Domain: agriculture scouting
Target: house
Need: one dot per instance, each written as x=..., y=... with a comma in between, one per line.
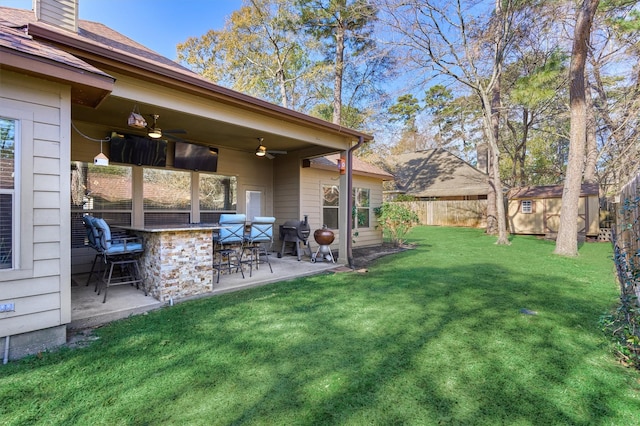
x=535, y=210
x=435, y=174
x=444, y=190
x=68, y=90
x=322, y=173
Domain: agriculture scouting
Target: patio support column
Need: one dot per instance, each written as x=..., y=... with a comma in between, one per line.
x=343, y=211
x=137, y=175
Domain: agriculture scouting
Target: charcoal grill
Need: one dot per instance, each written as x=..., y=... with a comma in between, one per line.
x=296, y=232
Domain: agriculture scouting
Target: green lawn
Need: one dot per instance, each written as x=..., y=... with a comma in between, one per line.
x=434, y=335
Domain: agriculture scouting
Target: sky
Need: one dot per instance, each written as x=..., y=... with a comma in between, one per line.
x=157, y=24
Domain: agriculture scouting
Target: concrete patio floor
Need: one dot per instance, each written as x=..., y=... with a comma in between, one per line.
x=87, y=309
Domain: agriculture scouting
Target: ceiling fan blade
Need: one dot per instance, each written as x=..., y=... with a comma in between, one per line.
x=170, y=136
x=269, y=156
x=270, y=151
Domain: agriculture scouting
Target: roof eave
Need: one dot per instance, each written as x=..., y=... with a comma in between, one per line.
x=193, y=81
x=86, y=88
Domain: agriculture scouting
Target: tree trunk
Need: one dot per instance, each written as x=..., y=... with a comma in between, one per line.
x=337, y=84
x=493, y=226
x=567, y=241
x=590, y=170
x=494, y=155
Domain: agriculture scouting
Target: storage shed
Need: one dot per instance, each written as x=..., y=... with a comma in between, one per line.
x=535, y=210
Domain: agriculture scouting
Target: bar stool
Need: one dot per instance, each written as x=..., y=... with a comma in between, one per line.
x=119, y=253
x=225, y=244
x=259, y=240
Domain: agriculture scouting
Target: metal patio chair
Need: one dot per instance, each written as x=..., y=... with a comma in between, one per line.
x=119, y=253
x=259, y=240
x=228, y=244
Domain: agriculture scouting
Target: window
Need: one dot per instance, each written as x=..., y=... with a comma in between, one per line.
x=217, y=194
x=361, y=207
x=8, y=201
x=103, y=191
x=330, y=205
x=166, y=196
x=526, y=206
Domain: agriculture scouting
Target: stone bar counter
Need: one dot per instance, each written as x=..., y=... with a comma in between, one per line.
x=177, y=260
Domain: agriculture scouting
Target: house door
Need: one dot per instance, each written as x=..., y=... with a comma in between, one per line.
x=254, y=203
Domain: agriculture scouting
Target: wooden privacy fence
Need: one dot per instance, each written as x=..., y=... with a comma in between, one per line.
x=468, y=213
x=627, y=239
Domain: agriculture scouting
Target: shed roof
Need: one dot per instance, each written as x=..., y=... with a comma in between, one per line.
x=436, y=173
x=550, y=191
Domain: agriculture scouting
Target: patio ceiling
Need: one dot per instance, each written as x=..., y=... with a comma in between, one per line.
x=113, y=112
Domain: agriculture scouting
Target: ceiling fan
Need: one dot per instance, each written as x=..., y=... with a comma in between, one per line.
x=262, y=151
x=155, y=132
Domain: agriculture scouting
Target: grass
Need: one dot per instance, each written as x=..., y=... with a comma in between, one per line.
x=434, y=335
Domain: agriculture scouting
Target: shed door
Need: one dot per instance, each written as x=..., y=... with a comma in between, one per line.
x=552, y=215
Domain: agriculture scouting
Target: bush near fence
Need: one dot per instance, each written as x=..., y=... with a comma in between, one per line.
x=463, y=213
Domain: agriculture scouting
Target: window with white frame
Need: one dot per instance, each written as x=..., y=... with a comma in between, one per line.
x=330, y=205
x=361, y=207
x=8, y=202
x=526, y=206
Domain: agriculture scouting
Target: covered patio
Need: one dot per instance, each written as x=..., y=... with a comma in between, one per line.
x=87, y=309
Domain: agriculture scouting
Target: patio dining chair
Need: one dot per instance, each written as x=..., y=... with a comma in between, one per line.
x=259, y=240
x=119, y=253
x=228, y=244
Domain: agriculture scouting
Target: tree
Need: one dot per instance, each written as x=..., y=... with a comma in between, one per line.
x=405, y=110
x=444, y=38
x=341, y=25
x=533, y=102
x=613, y=95
x=567, y=240
x=258, y=52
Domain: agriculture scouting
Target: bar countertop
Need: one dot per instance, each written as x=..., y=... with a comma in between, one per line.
x=170, y=228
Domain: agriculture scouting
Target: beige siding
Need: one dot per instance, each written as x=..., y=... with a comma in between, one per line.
x=40, y=285
x=312, y=181
x=287, y=190
x=370, y=236
x=593, y=218
x=526, y=223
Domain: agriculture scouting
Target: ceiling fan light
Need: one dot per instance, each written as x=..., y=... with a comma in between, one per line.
x=155, y=133
x=261, y=151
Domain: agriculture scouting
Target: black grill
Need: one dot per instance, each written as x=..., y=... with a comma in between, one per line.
x=294, y=231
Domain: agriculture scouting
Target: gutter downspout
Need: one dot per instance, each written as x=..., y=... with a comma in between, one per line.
x=350, y=201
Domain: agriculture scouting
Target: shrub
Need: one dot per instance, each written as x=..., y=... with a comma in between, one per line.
x=396, y=221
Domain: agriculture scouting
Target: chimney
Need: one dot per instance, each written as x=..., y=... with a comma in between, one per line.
x=59, y=13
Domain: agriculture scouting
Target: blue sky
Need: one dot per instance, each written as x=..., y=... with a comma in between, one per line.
x=158, y=24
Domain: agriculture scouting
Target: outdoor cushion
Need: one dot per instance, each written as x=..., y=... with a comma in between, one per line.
x=105, y=234
x=92, y=231
x=124, y=247
x=261, y=229
x=232, y=230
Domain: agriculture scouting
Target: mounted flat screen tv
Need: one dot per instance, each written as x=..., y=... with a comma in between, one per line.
x=200, y=158
x=138, y=150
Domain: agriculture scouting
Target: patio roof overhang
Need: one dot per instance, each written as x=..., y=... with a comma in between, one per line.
x=185, y=100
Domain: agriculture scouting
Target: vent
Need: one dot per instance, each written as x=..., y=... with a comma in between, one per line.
x=60, y=13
